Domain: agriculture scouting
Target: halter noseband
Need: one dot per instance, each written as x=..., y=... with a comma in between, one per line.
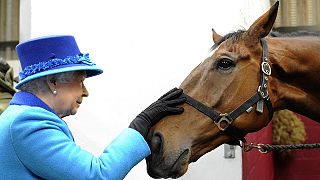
x=224, y=120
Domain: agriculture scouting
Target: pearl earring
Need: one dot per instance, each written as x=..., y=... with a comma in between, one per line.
x=54, y=92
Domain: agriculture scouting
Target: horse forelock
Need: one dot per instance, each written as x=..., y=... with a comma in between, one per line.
x=234, y=36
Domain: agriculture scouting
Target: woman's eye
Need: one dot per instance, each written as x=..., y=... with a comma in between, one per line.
x=225, y=64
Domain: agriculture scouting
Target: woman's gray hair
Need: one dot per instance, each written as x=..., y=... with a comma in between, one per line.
x=39, y=85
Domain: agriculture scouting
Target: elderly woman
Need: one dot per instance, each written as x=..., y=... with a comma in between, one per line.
x=35, y=143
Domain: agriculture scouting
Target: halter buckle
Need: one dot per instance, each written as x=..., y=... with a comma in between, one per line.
x=263, y=91
x=224, y=121
x=266, y=69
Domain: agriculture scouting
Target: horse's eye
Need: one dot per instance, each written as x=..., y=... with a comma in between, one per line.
x=225, y=64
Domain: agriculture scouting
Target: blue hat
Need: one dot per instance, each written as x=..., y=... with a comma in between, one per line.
x=51, y=55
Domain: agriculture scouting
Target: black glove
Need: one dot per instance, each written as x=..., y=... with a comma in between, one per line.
x=165, y=105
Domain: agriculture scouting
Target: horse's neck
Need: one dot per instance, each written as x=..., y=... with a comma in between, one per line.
x=295, y=83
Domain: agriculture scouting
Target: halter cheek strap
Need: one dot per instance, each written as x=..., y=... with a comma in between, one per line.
x=224, y=120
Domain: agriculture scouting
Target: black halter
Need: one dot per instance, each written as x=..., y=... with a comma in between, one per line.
x=224, y=120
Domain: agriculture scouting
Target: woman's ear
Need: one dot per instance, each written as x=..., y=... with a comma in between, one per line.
x=52, y=83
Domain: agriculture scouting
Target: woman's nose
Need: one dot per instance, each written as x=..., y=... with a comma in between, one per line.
x=85, y=92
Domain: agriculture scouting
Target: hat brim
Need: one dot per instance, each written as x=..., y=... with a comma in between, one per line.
x=90, y=70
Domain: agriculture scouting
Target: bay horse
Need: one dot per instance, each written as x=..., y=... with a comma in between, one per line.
x=233, y=92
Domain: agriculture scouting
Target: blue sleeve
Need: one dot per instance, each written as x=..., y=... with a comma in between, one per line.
x=46, y=149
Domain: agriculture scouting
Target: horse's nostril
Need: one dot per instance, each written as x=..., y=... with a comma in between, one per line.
x=156, y=143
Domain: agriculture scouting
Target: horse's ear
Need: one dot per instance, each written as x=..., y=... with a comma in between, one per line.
x=263, y=25
x=215, y=36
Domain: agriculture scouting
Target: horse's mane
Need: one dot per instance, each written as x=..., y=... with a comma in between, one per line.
x=237, y=34
x=294, y=33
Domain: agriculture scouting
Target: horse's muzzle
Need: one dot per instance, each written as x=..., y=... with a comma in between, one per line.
x=159, y=166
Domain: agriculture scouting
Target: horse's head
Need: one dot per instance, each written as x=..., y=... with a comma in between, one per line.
x=222, y=83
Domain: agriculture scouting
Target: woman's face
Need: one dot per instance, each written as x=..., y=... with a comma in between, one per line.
x=70, y=95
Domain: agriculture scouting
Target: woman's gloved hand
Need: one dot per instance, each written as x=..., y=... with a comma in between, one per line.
x=165, y=105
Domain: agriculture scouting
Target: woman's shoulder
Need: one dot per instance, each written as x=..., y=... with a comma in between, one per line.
x=25, y=111
x=22, y=116
x=27, y=120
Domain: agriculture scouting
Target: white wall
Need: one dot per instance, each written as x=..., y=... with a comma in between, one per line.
x=145, y=48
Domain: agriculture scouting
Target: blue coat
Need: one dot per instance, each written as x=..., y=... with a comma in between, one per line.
x=35, y=143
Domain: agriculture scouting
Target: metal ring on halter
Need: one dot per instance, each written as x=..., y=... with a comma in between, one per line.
x=266, y=69
x=224, y=118
x=263, y=92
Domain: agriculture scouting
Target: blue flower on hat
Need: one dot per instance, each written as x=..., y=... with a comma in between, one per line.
x=42, y=66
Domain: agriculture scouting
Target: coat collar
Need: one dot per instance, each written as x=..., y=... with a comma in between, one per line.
x=29, y=99
x=26, y=98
